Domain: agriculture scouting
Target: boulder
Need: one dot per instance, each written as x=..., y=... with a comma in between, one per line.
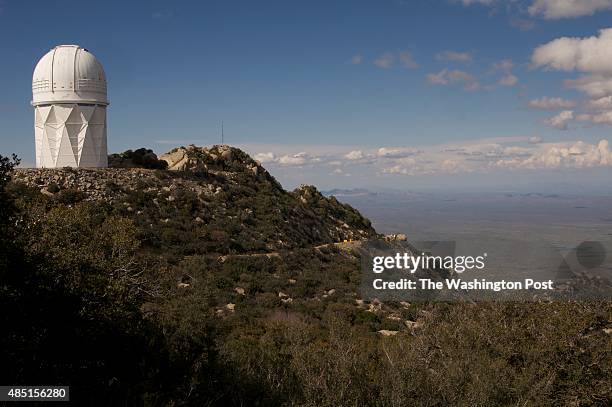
x=227, y=155
x=413, y=324
x=177, y=159
x=386, y=332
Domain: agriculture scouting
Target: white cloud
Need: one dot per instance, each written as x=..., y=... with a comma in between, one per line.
x=446, y=77
x=439, y=78
x=354, y=155
x=451, y=166
x=265, y=157
x=551, y=103
x=599, y=118
x=298, y=159
x=547, y=9
x=570, y=155
x=505, y=66
x=595, y=86
x=592, y=54
x=535, y=140
x=555, y=9
x=385, y=61
x=604, y=103
x=508, y=80
x=357, y=59
x=561, y=120
x=602, y=109
x=454, y=56
x=407, y=60
x=482, y=155
x=388, y=59
x=397, y=152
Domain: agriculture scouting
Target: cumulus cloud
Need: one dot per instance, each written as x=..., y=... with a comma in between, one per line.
x=292, y=160
x=397, y=152
x=354, y=155
x=570, y=155
x=535, y=140
x=505, y=66
x=600, y=111
x=596, y=86
x=561, y=120
x=385, y=61
x=592, y=54
x=454, y=56
x=598, y=118
x=388, y=59
x=484, y=157
x=357, y=59
x=264, y=158
x=298, y=159
x=440, y=78
x=450, y=77
x=407, y=60
x=555, y=9
x=547, y=9
x=508, y=80
x=473, y=156
x=551, y=103
x=604, y=103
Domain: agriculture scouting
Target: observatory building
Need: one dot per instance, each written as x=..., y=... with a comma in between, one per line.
x=69, y=99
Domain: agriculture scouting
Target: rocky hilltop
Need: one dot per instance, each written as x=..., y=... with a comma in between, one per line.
x=217, y=194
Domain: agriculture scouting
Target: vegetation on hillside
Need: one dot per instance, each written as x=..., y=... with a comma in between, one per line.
x=140, y=158
x=135, y=301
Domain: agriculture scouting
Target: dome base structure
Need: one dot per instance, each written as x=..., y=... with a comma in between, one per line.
x=70, y=135
x=69, y=96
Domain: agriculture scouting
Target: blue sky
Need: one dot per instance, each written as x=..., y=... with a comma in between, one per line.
x=316, y=89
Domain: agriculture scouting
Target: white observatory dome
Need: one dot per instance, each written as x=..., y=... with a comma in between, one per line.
x=69, y=74
x=70, y=100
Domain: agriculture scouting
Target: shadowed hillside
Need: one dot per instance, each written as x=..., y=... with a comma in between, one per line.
x=209, y=284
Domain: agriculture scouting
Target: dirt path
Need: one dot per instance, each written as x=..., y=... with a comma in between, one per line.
x=348, y=245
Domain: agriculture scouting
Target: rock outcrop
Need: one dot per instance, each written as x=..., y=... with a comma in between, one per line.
x=219, y=193
x=141, y=158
